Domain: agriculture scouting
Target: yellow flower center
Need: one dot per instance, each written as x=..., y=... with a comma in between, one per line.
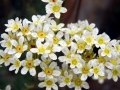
x=89, y=40
x=15, y=27
x=7, y=57
x=107, y=51
x=17, y=63
x=81, y=46
x=67, y=80
x=42, y=50
x=41, y=35
x=49, y=82
x=55, y=40
x=101, y=41
x=78, y=82
x=56, y=8
x=72, y=32
x=8, y=44
x=114, y=62
x=25, y=31
x=117, y=48
x=96, y=70
x=102, y=60
x=19, y=48
x=74, y=61
x=85, y=69
x=48, y=71
x=29, y=64
x=115, y=72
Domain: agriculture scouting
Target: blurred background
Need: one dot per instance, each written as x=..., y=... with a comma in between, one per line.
x=104, y=13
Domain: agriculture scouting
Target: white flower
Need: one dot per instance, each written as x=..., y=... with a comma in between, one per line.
x=67, y=53
x=66, y=79
x=55, y=27
x=5, y=58
x=38, y=19
x=42, y=32
x=29, y=64
x=19, y=47
x=114, y=73
x=13, y=25
x=106, y=51
x=78, y=83
x=89, y=27
x=41, y=48
x=55, y=8
x=49, y=71
x=75, y=61
x=67, y=41
x=98, y=71
x=49, y=84
x=101, y=40
x=25, y=29
x=16, y=64
x=84, y=71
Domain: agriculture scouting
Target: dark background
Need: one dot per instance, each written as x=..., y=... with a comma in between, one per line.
x=104, y=13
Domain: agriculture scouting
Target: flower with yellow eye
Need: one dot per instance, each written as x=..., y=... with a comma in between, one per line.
x=101, y=40
x=42, y=32
x=19, y=47
x=54, y=27
x=5, y=58
x=66, y=79
x=16, y=64
x=49, y=84
x=41, y=48
x=49, y=71
x=106, y=51
x=98, y=70
x=29, y=64
x=75, y=61
x=55, y=8
x=25, y=29
x=84, y=71
x=13, y=25
x=78, y=83
x=114, y=73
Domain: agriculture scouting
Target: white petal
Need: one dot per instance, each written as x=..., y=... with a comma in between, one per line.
x=56, y=73
x=32, y=71
x=53, y=56
x=85, y=85
x=83, y=77
x=53, y=65
x=12, y=67
x=55, y=87
x=25, y=47
x=57, y=15
x=62, y=43
x=65, y=50
x=43, y=66
x=36, y=62
x=42, y=84
x=29, y=55
x=59, y=34
x=41, y=74
x=34, y=50
x=62, y=58
x=115, y=78
x=57, y=48
x=18, y=55
x=62, y=84
x=23, y=62
x=8, y=87
x=21, y=40
x=14, y=42
x=24, y=70
x=11, y=51
x=63, y=10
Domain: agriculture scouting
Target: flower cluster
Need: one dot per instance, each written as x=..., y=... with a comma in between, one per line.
x=64, y=55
